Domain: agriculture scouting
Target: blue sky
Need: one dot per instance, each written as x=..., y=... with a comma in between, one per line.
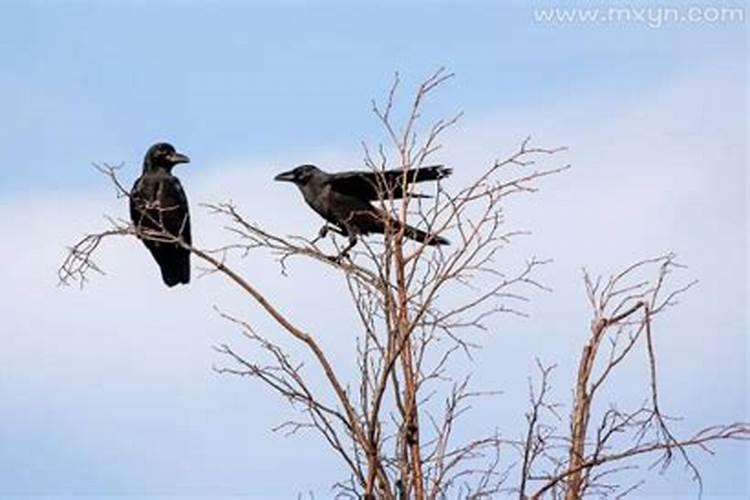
x=94, y=80
x=104, y=394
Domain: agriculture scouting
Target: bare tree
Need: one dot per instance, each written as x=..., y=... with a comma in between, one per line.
x=586, y=458
x=392, y=422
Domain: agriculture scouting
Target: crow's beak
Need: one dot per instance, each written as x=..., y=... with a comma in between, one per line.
x=286, y=176
x=176, y=158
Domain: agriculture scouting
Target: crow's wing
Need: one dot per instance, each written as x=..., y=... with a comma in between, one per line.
x=134, y=199
x=175, y=210
x=143, y=196
x=160, y=204
x=386, y=184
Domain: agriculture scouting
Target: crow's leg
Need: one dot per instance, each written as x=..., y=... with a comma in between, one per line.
x=321, y=234
x=345, y=252
x=324, y=232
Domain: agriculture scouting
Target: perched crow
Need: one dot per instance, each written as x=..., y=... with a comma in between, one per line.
x=343, y=199
x=158, y=204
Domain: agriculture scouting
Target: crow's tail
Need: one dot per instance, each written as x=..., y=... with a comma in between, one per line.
x=174, y=263
x=427, y=238
x=427, y=173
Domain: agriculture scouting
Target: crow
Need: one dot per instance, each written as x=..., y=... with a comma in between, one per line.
x=158, y=204
x=343, y=199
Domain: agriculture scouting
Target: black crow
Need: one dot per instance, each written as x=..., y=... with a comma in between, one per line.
x=158, y=204
x=343, y=199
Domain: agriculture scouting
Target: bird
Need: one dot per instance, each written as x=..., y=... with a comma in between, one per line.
x=160, y=213
x=344, y=199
